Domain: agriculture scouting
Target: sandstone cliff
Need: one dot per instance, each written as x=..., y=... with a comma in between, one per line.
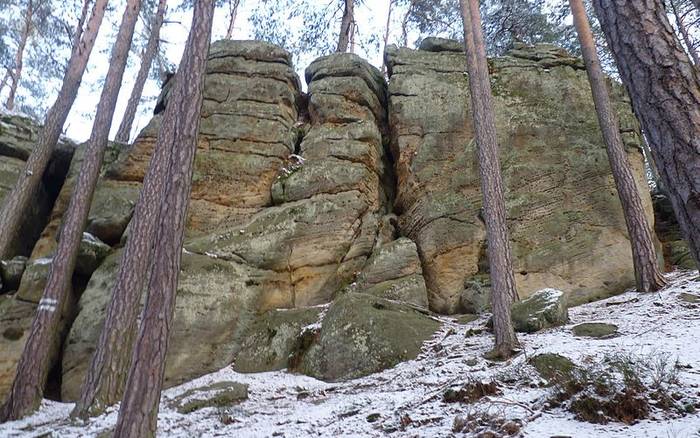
x=323, y=226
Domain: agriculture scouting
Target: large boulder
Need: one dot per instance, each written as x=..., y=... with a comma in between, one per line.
x=543, y=309
x=363, y=334
x=565, y=221
x=394, y=272
x=216, y=301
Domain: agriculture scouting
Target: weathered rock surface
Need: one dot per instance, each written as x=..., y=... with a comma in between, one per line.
x=598, y=330
x=543, y=309
x=18, y=135
x=215, y=395
x=362, y=334
x=215, y=303
x=675, y=248
x=273, y=338
x=394, y=272
x=566, y=225
x=321, y=226
x=11, y=273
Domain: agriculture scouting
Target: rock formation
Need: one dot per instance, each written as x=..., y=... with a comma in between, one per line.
x=323, y=226
x=566, y=225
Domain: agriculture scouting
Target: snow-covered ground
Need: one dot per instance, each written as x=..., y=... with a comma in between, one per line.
x=407, y=399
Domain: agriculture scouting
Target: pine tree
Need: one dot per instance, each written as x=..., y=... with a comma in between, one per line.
x=147, y=57
x=34, y=364
x=347, y=24
x=232, y=13
x=139, y=409
x=17, y=202
x=646, y=268
x=664, y=87
x=503, y=291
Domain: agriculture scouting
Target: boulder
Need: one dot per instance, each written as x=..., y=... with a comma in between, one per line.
x=34, y=280
x=543, y=309
x=362, y=334
x=273, y=338
x=553, y=367
x=214, y=395
x=394, y=272
x=560, y=196
x=435, y=44
x=216, y=302
x=597, y=330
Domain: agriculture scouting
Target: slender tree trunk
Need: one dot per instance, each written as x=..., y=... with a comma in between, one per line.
x=17, y=202
x=33, y=367
x=104, y=382
x=5, y=79
x=387, y=29
x=649, y=277
x=138, y=413
x=503, y=291
x=233, y=11
x=19, y=57
x=124, y=132
x=684, y=34
x=665, y=90
x=346, y=25
x=78, y=34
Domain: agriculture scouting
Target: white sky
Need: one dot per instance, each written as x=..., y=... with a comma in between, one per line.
x=371, y=17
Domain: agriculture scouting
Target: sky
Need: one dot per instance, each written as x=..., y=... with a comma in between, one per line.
x=174, y=34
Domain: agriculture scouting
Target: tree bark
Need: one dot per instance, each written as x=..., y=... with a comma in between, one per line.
x=106, y=377
x=665, y=90
x=503, y=291
x=346, y=25
x=19, y=56
x=33, y=367
x=647, y=273
x=17, y=202
x=387, y=28
x=124, y=132
x=139, y=409
x=684, y=34
x=233, y=11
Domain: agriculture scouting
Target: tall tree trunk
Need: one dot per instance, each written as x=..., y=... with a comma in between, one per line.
x=503, y=291
x=232, y=12
x=5, y=79
x=19, y=56
x=33, y=367
x=78, y=34
x=124, y=132
x=665, y=90
x=649, y=277
x=104, y=382
x=346, y=25
x=17, y=202
x=684, y=34
x=138, y=413
x=387, y=29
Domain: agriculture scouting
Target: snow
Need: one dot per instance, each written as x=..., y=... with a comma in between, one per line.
x=284, y=404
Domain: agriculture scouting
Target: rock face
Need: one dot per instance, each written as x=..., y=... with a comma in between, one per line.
x=18, y=136
x=322, y=226
x=566, y=225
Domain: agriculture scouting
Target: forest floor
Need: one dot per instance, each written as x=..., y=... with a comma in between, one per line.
x=659, y=331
